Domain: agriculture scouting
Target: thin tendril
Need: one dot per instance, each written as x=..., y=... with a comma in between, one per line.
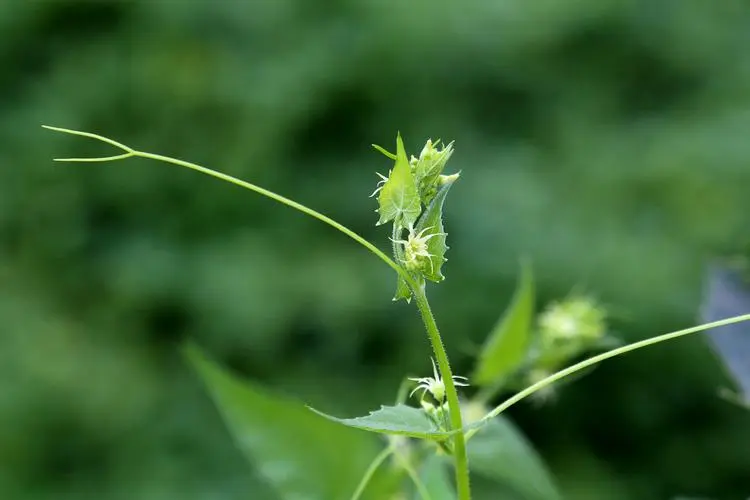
x=596, y=359
x=233, y=180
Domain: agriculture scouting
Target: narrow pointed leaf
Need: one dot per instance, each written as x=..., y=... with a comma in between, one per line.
x=507, y=344
x=384, y=151
x=398, y=199
x=501, y=453
x=397, y=420
x=432, y=224
x=299, y=454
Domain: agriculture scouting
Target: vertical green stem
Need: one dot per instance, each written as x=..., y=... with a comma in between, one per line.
x=459, y=441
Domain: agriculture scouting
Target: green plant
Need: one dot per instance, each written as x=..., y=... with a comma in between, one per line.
x=411, y=198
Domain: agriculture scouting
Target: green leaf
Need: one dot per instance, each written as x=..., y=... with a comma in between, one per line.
x=398, y=197
x=402, y=290
x=385, y=152
x=435, y=476
x=501, y=453
x=431, y=223
x=507, y=344
x=299, y=454
x=429, y=167
x=399, y=420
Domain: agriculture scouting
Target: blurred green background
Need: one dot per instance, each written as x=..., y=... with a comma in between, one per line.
x=605, y=139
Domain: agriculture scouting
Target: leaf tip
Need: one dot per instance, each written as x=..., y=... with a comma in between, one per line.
x=449, y=179
x=400, y=149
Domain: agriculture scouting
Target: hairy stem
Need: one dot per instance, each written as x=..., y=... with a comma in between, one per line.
x=459, y=442
x=462, y=469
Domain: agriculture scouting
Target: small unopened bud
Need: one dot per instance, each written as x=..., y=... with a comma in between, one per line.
x=434, y=157
x=447, y=179
x=428, y=168
x=574, y=320
x=428, y=407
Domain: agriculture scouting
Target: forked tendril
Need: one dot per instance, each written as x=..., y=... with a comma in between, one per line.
x=418, y=292
x=462, y=472
x=129, y=152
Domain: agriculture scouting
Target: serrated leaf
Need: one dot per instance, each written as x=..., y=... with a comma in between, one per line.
x=398, y=198
x=431, y=223
x=507, y=344
x=435, y=477
x=402, y=290
x=396, y=420
x=501, y=453
x=299, y=454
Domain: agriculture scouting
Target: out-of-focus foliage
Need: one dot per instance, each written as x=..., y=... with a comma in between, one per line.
x=287, y=442
x=606, y=140
x=500, y=453
x=508, y=343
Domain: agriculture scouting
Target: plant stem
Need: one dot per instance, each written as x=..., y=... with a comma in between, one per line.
x=462, y=468
x=596, y=359
x=130, y=152
x=281, y=199
x=459, y=441
x=370, y=472
x=407, y=466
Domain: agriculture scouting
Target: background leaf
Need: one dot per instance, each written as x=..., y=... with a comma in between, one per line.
x=505, y=348
x=435, y=474
x=729, y=295
x=500, y=452
x=290, y=445
x=399, y=420
x=605, y=139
